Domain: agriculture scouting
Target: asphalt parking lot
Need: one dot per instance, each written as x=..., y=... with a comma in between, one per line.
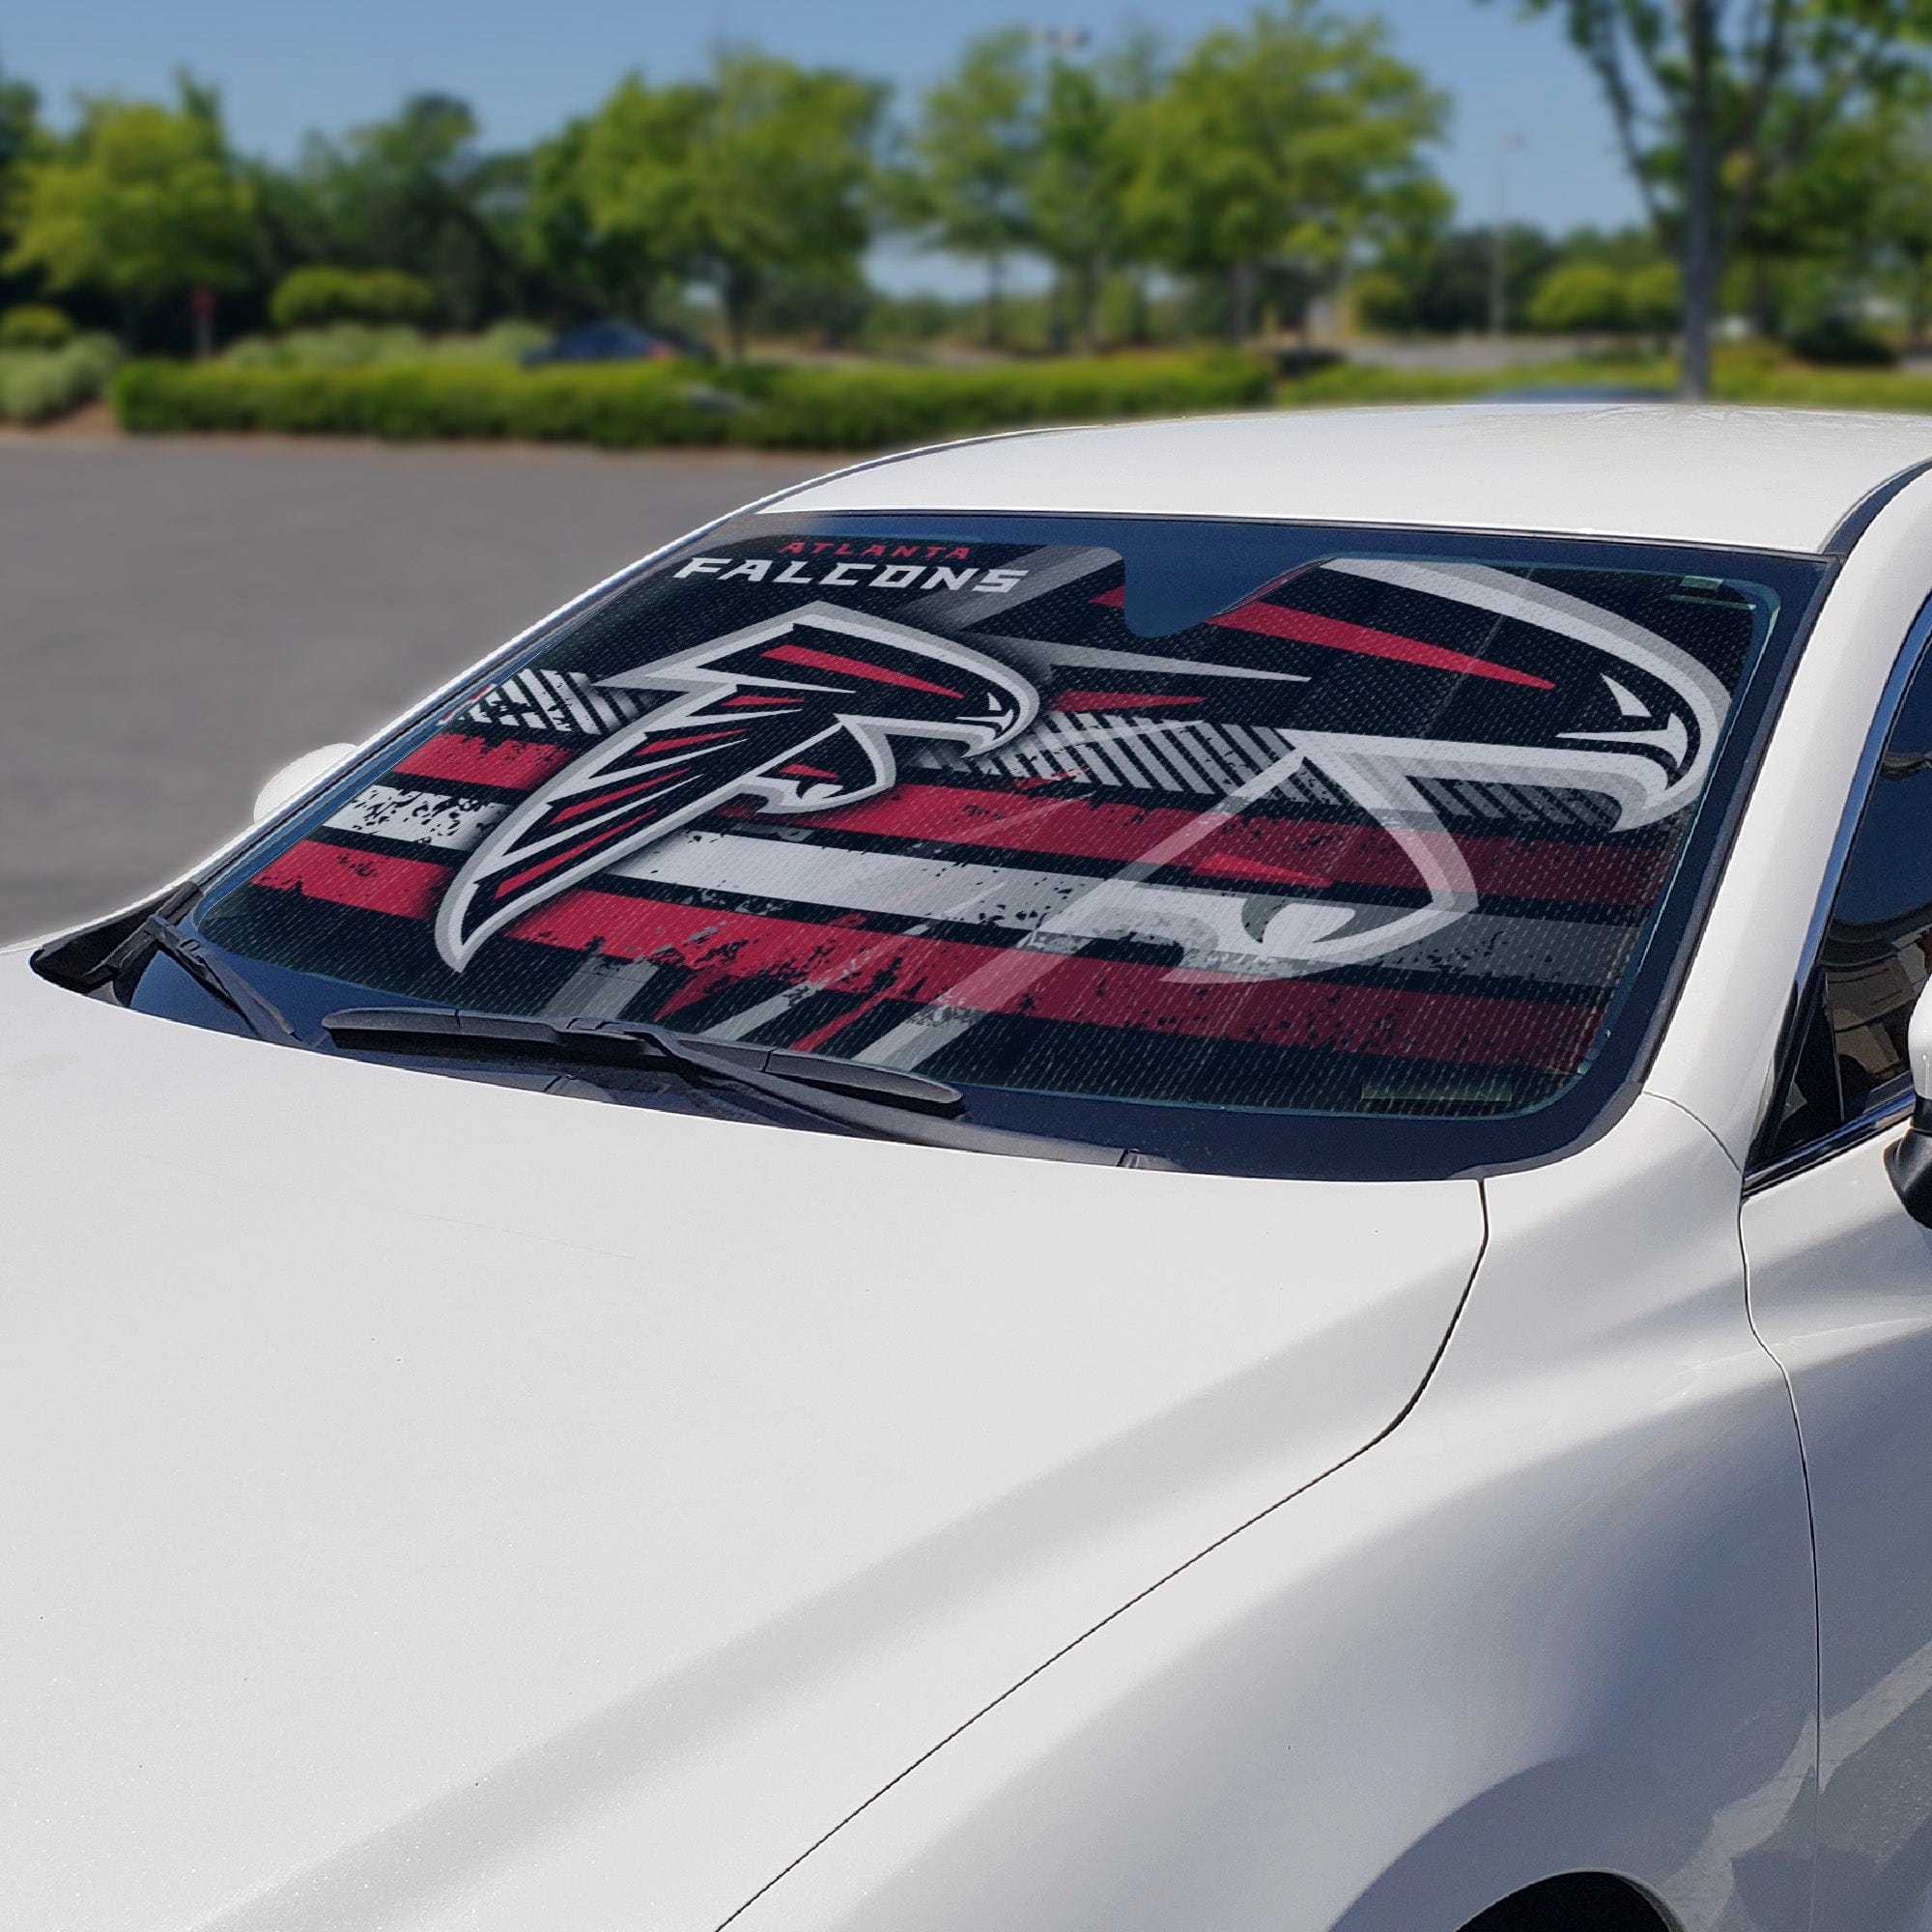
x=177, y=618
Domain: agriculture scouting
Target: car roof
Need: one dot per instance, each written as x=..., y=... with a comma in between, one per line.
x=1769, y=479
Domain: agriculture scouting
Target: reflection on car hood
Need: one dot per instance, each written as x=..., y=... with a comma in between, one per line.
x=439, y=1504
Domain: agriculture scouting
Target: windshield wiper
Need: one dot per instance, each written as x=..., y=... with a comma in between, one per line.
x=880, y=1101
x=206, y=968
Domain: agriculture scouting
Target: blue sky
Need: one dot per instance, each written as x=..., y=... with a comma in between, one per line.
x=284, y=69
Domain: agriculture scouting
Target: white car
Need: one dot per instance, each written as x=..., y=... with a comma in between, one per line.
x=1121, y=1180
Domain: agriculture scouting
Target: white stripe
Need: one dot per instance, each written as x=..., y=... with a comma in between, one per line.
x=608, y=716
x=1260, y=930
x=566, y=688
x=446, y=821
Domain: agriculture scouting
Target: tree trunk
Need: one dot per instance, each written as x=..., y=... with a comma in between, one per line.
x=1701, y=214
x=737, y=292
x=996, y=266
x=1087, y=296
x=201, y=312
x=1242, y=280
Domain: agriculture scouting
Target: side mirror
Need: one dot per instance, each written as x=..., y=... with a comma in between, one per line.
x=1909, y=1161
x=295, y=778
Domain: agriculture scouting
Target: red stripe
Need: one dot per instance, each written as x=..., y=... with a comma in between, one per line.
x=804, y=654
x=1304, y=627
x=410, y=887
x=517, y=764
x=1115, y=700
x=600, y=800
x=1240, y=847
x=1572, y=872
x=652, y=747
x=1456, y=1028
x=503, y=887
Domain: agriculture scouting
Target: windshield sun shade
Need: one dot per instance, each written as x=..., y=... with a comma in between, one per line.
x=1381, y=839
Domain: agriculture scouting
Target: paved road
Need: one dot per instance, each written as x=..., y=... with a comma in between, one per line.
x=177, y=618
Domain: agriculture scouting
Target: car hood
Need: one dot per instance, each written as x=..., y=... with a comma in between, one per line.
x=433, y=1504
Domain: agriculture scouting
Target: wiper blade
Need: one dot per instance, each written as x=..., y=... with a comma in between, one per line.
x=207, y=969
x=622, y=1043
x=880, y=1101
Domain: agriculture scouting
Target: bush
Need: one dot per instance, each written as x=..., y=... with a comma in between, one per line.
x=341, y=345
x=635, y=405
x=1354, y=384
x=1382, y=301
x=867, y=407
x=40, y=384
x=1581, y=298
x=35, y=325
x=1654, y=298
x=420, y=400
x=509, y=341
x=1839, y=341
x=359, y=345
x=315, y=298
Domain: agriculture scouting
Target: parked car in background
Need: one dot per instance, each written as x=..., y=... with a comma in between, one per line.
x=1108, y=1181
x=616, y=341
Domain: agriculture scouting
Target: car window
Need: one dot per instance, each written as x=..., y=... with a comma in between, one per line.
x=1288, y=824
x=1873, y=959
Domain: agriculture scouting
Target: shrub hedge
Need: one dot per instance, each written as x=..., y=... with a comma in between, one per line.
x=312, y=298
x=40, y=384
x=35, y=325
x=634, y=404
x=359, y=345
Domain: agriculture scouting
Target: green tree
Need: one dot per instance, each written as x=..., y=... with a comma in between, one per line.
x=1714, y=106
x=972, y=157
x=1899, y=210
x=763, y=170
x=606, y=219
x=1444, y=276
x=611, y=210
x=417, y=192
x=782, y=177
x=1853, y=219
x=1281, y=143
x=21, y=136
x=1076, y=191
x=143, y=202
x=20, y=130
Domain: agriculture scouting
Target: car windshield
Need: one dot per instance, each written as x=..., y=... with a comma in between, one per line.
x=1208, y=838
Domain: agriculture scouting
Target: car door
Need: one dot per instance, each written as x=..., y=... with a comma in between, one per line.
x=1840, y=1286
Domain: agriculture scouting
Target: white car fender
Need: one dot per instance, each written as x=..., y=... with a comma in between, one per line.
x=1563, y=1611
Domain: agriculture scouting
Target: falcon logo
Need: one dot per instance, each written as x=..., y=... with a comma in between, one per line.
x=799, y=712
x=1655, y=713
